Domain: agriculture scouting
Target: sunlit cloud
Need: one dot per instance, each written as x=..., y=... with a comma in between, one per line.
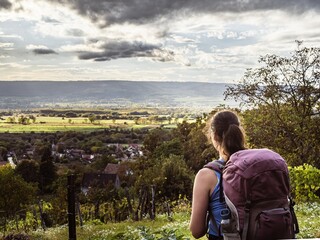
x=6, y=45
x=40, y=50
x=165, y=40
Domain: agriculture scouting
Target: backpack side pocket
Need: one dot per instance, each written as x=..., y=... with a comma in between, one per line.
x=273, y=224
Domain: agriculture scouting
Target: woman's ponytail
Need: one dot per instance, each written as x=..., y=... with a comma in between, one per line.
x=228, y=132
x=233, y=140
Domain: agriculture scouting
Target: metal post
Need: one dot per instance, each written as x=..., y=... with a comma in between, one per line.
x=71, y=208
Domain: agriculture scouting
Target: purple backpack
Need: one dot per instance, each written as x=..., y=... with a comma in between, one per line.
x=256, y=189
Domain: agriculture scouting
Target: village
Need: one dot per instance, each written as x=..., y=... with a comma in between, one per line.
x=63, y=156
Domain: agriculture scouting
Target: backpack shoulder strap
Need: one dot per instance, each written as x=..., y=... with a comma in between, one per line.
x=217, y=165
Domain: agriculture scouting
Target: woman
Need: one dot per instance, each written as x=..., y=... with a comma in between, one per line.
x=227, y=138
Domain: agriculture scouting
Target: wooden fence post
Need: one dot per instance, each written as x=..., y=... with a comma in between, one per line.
x=43, y=224
x=153, y=204
x=71, y=208
x=3, y=221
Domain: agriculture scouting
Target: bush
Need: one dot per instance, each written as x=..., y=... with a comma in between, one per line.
x=305, y=183
x=16, y=237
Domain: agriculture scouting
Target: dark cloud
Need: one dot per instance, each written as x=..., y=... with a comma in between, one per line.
x=50, y=20
x=43, y=51
x=107, y=12
x=116, y=49
x=5, y=4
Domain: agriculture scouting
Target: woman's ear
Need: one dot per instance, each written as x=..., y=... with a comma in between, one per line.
x=215, y=137
x=215, y=140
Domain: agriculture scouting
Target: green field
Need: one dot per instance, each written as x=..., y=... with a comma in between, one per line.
x=54, y=124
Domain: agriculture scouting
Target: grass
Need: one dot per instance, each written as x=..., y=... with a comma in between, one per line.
x=309, y=220
x=175, y=228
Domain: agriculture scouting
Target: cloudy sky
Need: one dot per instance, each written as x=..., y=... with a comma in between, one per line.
x=157, y=40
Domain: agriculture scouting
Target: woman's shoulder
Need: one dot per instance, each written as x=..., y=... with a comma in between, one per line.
x=206, y=174
x=204, y=171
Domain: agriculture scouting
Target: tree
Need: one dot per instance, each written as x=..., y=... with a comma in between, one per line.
x=33, y=118
x=15, y=193
x=282, y=98
x=23, y=120
x=155, y=138
x=195, y=144
x=136, y=120
x=99, y=193
x=47, y=169
x=102, y=162
x=58, y=213
x=167, y=148
x=28, y=170
x=11, y=119
x=3, y=152
x=92, y=118
x=174, y=178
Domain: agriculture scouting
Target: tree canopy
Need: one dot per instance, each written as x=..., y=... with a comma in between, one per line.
x=282, y=104
x=15, y=193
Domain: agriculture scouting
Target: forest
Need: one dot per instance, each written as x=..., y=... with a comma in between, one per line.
x=130, y=173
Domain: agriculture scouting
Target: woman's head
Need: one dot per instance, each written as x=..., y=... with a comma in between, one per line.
x=228, y=135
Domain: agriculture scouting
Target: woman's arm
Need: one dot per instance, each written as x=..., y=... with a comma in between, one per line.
x=204, y=183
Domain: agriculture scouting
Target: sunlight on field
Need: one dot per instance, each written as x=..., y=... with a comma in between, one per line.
x=79, y=120
x=53, y=124
x=44, y=128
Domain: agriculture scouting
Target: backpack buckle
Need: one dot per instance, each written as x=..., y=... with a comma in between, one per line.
x=247, y=206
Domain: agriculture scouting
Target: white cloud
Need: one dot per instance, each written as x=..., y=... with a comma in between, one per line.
x=78, y=48
x=32, y=47
x=2, y=35
x=182, y=39
x=6, y=45
x=16, y=66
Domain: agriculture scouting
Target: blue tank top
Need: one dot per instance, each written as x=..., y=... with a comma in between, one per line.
x=215, y=207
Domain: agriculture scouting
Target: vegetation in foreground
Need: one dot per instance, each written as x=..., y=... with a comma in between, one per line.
x=162, y=228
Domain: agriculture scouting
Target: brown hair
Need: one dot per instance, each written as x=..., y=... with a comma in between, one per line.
x=228, y=132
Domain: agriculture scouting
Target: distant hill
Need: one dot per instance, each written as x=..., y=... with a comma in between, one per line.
x=35, y=94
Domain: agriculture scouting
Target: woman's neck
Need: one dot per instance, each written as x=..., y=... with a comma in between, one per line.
x=223, y=155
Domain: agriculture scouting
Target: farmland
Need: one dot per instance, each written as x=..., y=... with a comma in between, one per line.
x=54, y=124
x=90, y=120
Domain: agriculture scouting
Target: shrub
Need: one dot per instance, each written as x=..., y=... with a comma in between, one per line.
x=305, y=183
x=19, y=236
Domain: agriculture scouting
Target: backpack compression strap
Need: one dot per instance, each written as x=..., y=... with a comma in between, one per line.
x=246, y=212
x=294, y=217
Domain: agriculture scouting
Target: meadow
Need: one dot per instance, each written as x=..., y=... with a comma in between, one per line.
x=163, y=227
